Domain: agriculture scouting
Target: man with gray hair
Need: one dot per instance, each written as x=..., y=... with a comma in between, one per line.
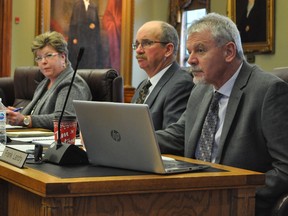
x=246, y=126
x=167, y=89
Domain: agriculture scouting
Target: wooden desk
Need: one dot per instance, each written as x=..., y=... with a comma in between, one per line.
x=31, y=192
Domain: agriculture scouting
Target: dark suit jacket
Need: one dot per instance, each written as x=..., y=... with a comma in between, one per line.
x=254, y=134
x=169, y=97
x=85, y=27
x=252, y=28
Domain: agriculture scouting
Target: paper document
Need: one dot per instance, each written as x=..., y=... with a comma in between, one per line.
x=23, y=148
x=45, y=141
x=30, y=133
x=2, y=147
x=8, y=127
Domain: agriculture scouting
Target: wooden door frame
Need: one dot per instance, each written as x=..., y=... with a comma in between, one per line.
x=5, y=37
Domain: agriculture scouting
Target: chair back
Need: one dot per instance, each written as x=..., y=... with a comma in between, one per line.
x=104, y=84
x=281, y=72
x=26, y=80
x=7, y=93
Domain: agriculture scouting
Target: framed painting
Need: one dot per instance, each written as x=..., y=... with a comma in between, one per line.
x=255, y=22
x=103, y=27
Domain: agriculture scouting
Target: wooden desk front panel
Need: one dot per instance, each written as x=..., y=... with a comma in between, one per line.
x=31, y=192
x=222, y=202
x=3, y=197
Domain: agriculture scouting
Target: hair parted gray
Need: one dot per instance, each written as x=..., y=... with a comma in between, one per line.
x=222, y=28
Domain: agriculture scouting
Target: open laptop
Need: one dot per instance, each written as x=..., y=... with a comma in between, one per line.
x=122, y=135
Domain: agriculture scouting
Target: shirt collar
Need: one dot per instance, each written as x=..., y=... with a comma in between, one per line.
x=226, y=89
x=154, y=80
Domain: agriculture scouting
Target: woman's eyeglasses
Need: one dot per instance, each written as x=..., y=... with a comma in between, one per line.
x=47, y=56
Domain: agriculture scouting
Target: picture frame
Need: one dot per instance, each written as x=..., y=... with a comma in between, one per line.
x=178, y=13
x=44, y=13
x=257, y=34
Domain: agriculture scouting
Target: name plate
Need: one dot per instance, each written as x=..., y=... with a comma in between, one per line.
x=14, y=157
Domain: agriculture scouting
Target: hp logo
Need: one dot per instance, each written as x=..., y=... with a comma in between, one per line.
x=115, y=135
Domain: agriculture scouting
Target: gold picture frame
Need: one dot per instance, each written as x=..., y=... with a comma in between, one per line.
x=262, y=40
x=43, y=16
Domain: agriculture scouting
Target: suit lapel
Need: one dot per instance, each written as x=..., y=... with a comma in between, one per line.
x=164, y=79
x=233, y=105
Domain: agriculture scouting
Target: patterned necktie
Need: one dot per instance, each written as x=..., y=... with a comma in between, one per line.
x=143, y=92
x=205, y=145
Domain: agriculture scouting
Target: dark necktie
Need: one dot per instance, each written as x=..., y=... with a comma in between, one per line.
x=205, y=145
x=143, y=92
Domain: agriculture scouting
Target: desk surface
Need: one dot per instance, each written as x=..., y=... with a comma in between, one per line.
x=46, y=185
x=228, y=192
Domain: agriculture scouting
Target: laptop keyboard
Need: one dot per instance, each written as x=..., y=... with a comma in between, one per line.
x=174, y=164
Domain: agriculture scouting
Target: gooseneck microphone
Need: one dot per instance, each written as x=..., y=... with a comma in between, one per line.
x=64, y=153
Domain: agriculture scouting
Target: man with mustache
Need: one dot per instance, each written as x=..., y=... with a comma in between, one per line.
x=251, y=132
x=156, y=49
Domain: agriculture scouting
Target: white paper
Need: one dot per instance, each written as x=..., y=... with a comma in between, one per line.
x=13, y=127
x=32, y=133
x=46, y=141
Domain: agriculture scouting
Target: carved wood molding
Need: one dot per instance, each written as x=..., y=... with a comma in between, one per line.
x=128, y=93
x=176, y=6
x=5, y=37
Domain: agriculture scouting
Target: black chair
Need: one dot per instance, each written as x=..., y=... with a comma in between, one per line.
x=105, y=85
x=281, y=72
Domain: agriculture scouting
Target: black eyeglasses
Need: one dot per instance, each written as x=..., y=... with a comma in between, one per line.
x=146, y=43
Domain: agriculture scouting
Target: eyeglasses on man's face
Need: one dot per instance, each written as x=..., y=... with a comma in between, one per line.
x=146, y=43
x=46, y=57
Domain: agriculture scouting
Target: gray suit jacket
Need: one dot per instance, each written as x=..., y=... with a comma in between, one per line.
x=255, y=130
x=47, y=103
x=169, y=97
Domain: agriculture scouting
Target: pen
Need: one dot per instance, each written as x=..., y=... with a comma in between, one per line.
x=17, y=109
